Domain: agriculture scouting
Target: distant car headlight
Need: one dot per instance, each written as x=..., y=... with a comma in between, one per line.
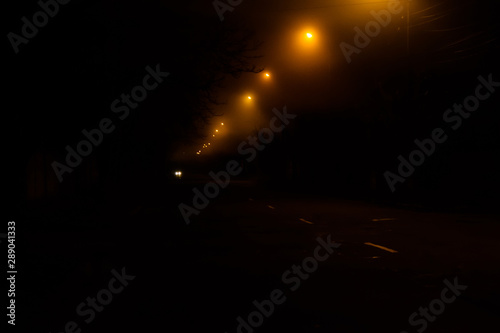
x=178, y=174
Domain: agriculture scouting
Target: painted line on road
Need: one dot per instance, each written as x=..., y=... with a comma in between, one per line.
x=271, y=207
x=306, y=221
x=384, y=219
x=382, y=247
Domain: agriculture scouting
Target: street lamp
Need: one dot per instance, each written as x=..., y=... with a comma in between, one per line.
x=316, y=45
x=266, y=78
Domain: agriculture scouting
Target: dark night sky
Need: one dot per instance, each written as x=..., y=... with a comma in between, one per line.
x=66, y=77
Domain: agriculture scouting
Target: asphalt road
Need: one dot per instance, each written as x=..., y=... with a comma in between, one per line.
x=390, y=262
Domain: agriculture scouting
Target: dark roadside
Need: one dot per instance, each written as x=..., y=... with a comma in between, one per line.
x=202, y=276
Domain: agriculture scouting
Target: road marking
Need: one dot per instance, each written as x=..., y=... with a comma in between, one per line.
x=382, y=247
x=384, y=219
x=306, y=221
x=271, y=207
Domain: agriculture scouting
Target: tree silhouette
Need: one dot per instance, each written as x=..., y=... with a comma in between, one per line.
x=66, y=78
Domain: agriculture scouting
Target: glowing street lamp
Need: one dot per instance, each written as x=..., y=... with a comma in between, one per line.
x=309, y=35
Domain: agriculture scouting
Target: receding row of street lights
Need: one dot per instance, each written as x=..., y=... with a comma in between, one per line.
x=206, y=145
x=267, y=75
